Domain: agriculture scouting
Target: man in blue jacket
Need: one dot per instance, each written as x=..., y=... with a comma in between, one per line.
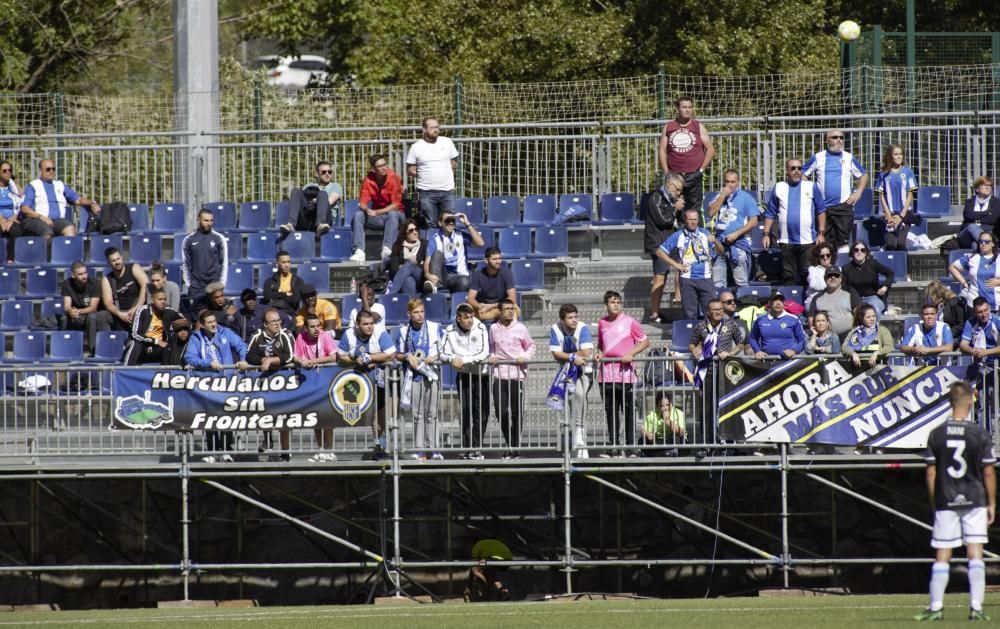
x=212, y=347
x=777, y=333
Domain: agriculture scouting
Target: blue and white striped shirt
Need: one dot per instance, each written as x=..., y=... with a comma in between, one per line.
x=834, y=173
x=693, y=249
x=52, y=200
x=893, y=186
x=796, y=209
x=981, y=270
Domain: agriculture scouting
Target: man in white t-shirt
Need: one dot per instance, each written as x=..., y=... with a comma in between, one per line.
x=432, y=160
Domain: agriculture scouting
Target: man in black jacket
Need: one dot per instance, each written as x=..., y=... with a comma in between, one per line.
x=283, y=290
x=225, y=311
x=660, y=220
x=151, y=331
x=206, y=257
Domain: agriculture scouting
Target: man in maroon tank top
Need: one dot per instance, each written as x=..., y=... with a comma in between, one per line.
x=686, y=149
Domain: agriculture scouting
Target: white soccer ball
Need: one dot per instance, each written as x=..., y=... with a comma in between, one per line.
x=849, y=30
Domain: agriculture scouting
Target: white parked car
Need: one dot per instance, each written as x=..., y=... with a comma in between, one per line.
x=293, y=73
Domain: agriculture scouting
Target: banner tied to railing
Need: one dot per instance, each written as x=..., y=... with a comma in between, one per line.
x=171, y=399
x=832, y=402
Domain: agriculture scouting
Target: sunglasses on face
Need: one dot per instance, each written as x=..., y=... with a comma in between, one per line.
x=411, y=230
x=49, y=170
x=860, y=250
x=449, y=221
x=794, y=168
x=986, y=241
x=825, y=255
x=326, y=172
x=835, y=137
x=729, y=301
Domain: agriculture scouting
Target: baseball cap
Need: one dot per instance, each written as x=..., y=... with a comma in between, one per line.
x=832, y=270
x=776, y=295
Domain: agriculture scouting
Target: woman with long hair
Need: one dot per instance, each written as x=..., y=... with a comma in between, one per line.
x=10, y=204
x=823, y=256
x=406, y=260
x=951, y=310
x=895, y=186
x=983, y=272
x=863, y=273
x=158, y=279
x=867, y=340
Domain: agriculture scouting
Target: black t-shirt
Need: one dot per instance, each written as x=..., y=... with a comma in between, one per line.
x=80, y=296
x=491, y=289
x=959, y=449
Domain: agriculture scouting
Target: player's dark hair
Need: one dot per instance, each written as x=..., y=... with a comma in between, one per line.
x=363, y=314
x=979, y=301
x=612, y=294
x=490, y=252
x=76, y=265
x=204, y=315
x=959, y=392
x=110, y=251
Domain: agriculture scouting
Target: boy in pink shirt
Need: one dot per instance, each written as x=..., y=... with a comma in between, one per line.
x=509, y=341
x=313, y=347
x=619, y=337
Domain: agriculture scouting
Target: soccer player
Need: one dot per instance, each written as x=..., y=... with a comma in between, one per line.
x=962, y=486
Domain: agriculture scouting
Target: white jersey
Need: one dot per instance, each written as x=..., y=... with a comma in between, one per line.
x=433, y=162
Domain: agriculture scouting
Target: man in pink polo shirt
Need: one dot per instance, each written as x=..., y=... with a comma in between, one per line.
x=620, y=338
x=509, y=341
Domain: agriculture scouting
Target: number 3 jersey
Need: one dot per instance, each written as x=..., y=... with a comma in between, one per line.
x=959, y=449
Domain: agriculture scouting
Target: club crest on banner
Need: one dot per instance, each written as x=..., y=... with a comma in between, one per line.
x=351, y=394
x=734, y=372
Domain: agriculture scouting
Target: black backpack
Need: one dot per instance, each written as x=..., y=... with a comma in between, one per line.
x=114, y=218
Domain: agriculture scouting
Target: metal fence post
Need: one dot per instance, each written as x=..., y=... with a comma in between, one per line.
x=459, y=104
x=258, y=124
x=567, y=507
x=785, y=553
x=185, y=473
x=661, y=93
x=393, y=424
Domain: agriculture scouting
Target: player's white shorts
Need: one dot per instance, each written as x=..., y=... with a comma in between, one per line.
x=954, y=528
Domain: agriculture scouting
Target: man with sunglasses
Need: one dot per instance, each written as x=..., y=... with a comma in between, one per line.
x=834, y=170
x=732, y=216
x=799, y=209
x=839, y=302
x=381, y=207
x=729, y=308
x=315, y=206
x=47, y=206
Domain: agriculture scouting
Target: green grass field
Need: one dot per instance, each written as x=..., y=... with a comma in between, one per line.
x=840, y=612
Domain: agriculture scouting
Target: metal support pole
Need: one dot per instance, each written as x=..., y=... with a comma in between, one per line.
x=393, y=425
x=185, y=519
x=785, y=553
x=911, y=54
x=567, y=508
x=661, y=93
x=459, y=105
x=258, y=123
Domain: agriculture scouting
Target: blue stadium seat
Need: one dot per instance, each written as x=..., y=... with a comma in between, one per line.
x=41, y=282
x=474, y=253
x=349, y=302
x=173, y=271
x=168, y=218
x=395, y=308
x=472, y=208
x=351, y=207
x=908, y=323
x=871, y=231
x=755, y=292
x=66, y=250
x=10, y=283
x=335, y=245
x=528, y=274
x=865, y=206
x=895, y=260
x=436, y=307
x=98, y=243
x=110, y=347
x=315, y=273
x=238, y=278
x=680, y=334
x=224, y=213
x=234, y=245
x=515, y=242
x=503, y=210
x=584, y=200
x=15, y=315
x=65, y=346
x=617, y=208
x=254, y=216
x=280, y=213
x=29, y=346
x=449, y=377
x=145, y=249
x=551, y=242
x=456, y=300
x=139, y=212
x=539, y=209
x=757, y=238
x=300, y=245
x=53, y=308
x=843, y=259
x=934, y=200
x=261, y=247
x=30, y=251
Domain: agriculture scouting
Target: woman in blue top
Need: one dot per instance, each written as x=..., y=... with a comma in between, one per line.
x=895, y=187
x=983, y=272
x=10, y=204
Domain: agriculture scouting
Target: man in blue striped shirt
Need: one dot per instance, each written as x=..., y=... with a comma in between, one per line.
x=834, y=171
x=694, y=247
x=799, y=209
